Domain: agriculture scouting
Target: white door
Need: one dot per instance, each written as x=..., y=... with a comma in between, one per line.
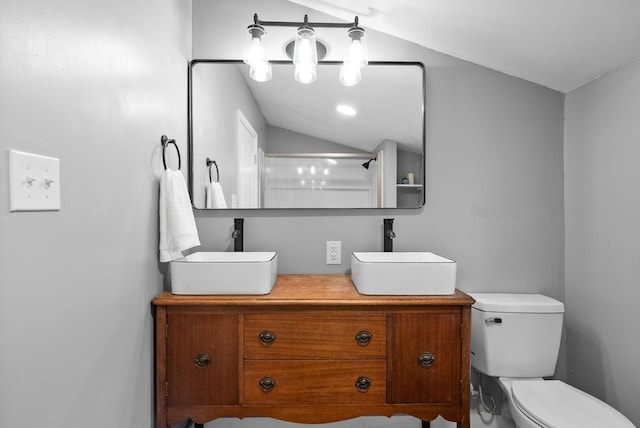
x=247, y=163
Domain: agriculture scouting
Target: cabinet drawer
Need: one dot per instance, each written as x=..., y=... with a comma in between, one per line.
x=315, y=382
x=315, y=336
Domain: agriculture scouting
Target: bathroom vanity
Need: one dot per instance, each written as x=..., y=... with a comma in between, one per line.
x=312, y=351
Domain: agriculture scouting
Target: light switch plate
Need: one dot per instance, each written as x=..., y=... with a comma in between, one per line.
x=34, y=182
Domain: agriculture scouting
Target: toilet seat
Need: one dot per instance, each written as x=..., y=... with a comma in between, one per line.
x=554, y=404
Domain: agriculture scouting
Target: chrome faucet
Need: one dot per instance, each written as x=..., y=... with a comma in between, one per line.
x=388, y=235
x=237, y=234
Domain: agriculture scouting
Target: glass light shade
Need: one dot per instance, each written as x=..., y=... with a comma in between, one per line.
x=304, y=50
x=261, y=72
x=350, y=74
x=253, y=50
x=356, y=51
x=305, y=73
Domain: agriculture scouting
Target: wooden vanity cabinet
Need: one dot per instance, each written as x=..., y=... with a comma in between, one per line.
x=312, y=351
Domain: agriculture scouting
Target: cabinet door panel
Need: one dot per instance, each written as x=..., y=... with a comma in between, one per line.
x=315, y=382
x=434, y=337
x=320, y=335
x=202, y=358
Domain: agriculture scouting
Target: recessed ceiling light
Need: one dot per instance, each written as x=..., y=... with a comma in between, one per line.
x=346, y=110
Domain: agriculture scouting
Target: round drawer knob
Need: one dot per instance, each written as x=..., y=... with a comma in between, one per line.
x=202, y=360
x=267, y=383
x=267, y=337
x=363, y=384
x=363, y=337
x=426, y=359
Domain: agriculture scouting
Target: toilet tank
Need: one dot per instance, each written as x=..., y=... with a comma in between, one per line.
x=515, y=335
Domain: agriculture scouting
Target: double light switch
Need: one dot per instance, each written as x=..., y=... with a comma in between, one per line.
x=34, y=182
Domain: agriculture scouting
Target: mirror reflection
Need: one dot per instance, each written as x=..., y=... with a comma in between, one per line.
x=281, y=144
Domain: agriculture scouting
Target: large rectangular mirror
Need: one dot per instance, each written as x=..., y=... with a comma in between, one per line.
x=281, y=144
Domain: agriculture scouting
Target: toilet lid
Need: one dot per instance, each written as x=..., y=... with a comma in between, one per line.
x=555, y=404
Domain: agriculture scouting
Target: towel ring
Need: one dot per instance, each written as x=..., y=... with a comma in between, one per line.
x=165, y=142
x=209, y=162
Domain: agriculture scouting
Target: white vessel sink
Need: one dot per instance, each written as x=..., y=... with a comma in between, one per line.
x=402, y=273
x=224, y=273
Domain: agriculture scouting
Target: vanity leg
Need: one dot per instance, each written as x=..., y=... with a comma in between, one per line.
x=426, y=424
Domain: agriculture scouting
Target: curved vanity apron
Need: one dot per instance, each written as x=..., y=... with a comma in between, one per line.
x=554, y=404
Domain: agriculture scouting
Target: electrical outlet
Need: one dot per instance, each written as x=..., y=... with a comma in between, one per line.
x=334, y=253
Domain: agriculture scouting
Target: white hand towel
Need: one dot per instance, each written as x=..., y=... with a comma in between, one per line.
x=178, y=230
x=214, y=196
x=217, y=196
x=208, y=196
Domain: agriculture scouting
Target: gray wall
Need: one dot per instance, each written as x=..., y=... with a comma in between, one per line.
x=95, y=84
x=602, y=176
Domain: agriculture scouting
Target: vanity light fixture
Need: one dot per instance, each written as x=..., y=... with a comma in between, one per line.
x=305, y=51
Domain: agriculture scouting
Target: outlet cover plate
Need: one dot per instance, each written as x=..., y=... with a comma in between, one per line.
x=334, y=252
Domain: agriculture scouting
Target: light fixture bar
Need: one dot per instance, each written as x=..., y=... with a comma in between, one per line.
x=305, y=23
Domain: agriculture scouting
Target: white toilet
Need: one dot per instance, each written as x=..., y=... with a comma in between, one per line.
x=516, y=338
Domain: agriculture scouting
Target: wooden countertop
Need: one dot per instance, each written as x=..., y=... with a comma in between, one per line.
x=312, y=290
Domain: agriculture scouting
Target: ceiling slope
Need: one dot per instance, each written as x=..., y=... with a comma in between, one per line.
x=560, y=44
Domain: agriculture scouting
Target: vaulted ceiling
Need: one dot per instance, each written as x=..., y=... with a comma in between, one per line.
x=560, y=44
